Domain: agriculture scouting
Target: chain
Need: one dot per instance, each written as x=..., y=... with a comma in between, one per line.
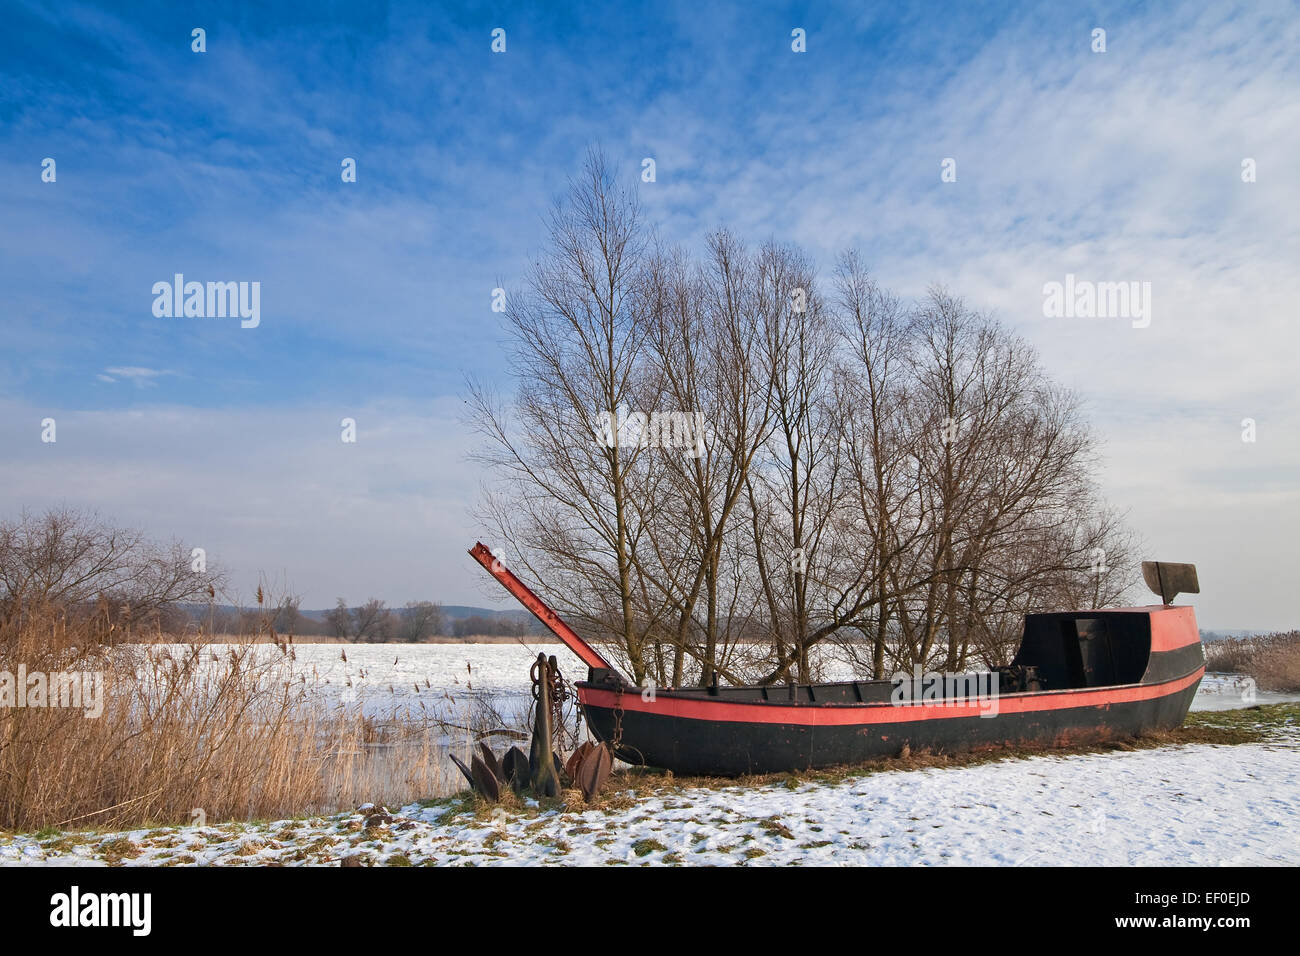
x=559, y=692
x=618, y=719
x=535, y=675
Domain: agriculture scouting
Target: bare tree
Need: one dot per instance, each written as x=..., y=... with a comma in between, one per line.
x=288, y=618
x=705, y=352
x=421, y=620
x=872, y=394
x=79, y=561
x=792, y=494
x=372, y=622
x=572, y=497
x=1005, y=462
x=339, y=620
x=897, y=484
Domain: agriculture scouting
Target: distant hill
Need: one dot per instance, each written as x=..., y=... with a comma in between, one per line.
x=459, y=620
x=452, y=612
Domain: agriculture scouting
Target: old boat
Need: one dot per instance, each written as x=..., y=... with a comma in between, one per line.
x=1078, y=677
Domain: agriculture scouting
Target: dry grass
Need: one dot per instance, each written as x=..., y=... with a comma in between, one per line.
x=228, y=730
x=1273, y=660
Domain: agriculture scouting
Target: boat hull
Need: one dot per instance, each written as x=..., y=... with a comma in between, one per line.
x=1078, y=677
x=691, y=733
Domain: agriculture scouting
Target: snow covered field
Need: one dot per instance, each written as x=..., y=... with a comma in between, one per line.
x=438, y=677
x=1179, y=805
x=1191, y=805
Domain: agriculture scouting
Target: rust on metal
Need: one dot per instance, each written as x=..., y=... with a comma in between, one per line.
x=542, y=775
x=1170, y=580
x=594, y=770
x=540, y=609
x=460, y=765
x=515, y=768
x=490, y=761
x=484, y=780
x=575, y=759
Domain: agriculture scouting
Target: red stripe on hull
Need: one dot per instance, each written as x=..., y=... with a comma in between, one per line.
x=829, y=715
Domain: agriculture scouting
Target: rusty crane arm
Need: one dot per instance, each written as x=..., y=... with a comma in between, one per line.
x=541, y=610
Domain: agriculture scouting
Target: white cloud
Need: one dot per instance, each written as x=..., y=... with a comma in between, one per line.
x=142, y=377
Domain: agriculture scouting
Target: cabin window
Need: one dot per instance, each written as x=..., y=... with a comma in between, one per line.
x=1075, y=650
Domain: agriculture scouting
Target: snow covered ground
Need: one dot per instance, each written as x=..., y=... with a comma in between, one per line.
x=1179, y=805
x=1190, y=805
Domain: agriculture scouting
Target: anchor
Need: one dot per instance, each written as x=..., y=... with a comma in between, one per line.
x=542, y=771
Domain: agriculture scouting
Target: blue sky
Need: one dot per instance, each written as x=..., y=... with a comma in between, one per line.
x=376, y=294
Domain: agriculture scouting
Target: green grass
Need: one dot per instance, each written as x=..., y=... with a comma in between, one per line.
x=1248, y=725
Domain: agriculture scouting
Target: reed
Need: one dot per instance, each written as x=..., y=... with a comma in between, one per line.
x=1273, y=660
x=229, y=730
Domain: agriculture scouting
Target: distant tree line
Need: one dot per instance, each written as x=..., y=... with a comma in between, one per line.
x=375, y=622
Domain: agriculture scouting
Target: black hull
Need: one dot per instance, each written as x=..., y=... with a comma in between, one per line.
x=700, y=746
